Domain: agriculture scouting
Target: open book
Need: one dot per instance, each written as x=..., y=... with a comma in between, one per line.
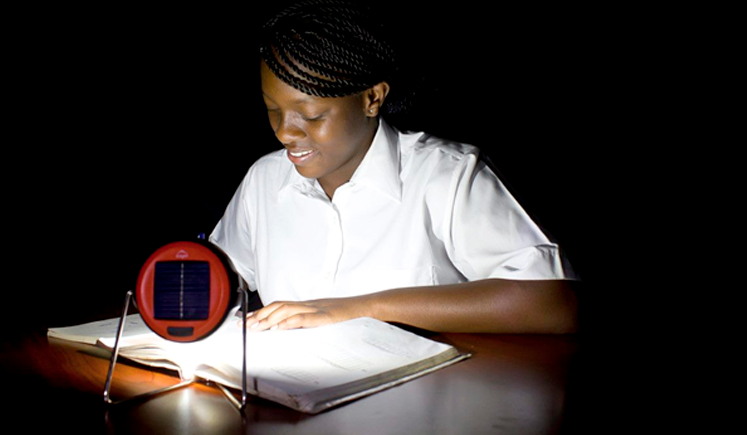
x=309, y=370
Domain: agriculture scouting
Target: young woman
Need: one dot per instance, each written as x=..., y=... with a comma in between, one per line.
x=354, y=218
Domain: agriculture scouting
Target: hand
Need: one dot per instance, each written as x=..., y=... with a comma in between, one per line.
x=306, y=314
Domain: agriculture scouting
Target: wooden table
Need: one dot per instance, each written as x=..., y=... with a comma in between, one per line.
x=513, y=384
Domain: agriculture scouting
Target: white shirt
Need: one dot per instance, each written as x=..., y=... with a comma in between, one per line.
x=417, y=211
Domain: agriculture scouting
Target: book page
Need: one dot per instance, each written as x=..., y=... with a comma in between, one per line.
x=302, y=360
x=305, y=369
x=91, y=333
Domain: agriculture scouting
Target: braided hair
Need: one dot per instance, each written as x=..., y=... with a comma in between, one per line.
x=327, y=48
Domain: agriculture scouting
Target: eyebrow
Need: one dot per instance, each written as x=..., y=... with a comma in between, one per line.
x=303, y=100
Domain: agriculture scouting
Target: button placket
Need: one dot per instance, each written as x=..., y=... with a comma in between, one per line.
x=334, y=248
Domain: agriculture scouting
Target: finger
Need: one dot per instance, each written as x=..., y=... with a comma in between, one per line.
x=309, y=319
x=255, y=319
x=287, y=311
x=265, y=311
x=279, y=314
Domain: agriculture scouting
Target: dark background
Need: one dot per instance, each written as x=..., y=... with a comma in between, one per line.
x=133, y=128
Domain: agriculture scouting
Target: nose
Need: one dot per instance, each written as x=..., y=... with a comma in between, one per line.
x=287, y=131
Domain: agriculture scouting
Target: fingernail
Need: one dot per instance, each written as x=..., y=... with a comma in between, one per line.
x=274, y=327
x=250, y=314
x=254, y=325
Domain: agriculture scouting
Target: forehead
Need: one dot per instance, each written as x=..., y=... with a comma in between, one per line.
x=279, y=92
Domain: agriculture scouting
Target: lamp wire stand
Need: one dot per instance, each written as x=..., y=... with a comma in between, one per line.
x=241, y=405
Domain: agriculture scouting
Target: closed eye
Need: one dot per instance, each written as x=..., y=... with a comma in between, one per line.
x=313, y=118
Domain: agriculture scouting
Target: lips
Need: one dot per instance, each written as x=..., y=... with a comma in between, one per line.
x=298, y=157
x=299, y=154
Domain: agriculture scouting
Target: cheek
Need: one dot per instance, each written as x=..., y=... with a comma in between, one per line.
x=344, y=131
x=330, y=136
x=322, y=133
x=341, y=131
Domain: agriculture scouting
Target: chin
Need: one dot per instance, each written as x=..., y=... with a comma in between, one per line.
x=308, y=172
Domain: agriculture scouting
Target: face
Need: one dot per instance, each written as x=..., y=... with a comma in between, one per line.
x=326, y=138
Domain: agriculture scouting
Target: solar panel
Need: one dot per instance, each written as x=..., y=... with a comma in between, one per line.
x=181, y=290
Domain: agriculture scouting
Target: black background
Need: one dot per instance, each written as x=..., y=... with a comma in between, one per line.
x=129, y=128
x=132, y=128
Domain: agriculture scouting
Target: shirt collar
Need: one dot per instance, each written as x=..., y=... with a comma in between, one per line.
x=294, y=179
x=380, y=167
x=378, y=170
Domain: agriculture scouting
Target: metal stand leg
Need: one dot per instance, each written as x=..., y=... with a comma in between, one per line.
x=240, y=405
x=113, y=363
x=115, y=352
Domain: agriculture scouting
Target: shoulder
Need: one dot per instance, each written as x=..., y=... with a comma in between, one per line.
x=424, y=145
x=271, y=161
x=424, y=153
x=270, y=166
x=267, y=174
x=442, y=169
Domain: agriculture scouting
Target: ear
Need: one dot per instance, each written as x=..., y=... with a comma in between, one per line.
x=374, y=98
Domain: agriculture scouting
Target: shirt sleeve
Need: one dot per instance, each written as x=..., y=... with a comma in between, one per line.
x=232, y=234
x=488, y=234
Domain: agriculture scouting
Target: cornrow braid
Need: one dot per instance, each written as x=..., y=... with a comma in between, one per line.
x=327, y=48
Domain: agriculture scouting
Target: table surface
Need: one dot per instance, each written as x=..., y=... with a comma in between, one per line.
x=516, y=384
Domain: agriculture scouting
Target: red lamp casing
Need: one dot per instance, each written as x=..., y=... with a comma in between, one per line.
x=185, y=290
